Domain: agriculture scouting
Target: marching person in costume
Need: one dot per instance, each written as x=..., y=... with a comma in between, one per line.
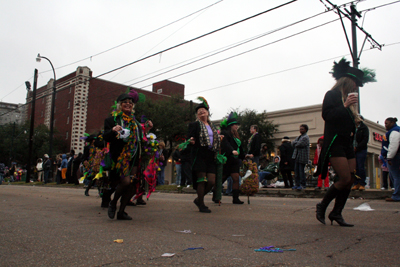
x=233, y=150
x=93, y=155
x=124, y=134
x=339, y=112
x=205, y=142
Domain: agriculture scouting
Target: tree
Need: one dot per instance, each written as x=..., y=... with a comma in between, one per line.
x=169, y=117
x=266, y=128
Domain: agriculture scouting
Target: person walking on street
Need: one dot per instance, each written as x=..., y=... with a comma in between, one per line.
x=205, y=142
x=301, y=155
x=360, y=149
x=340, y=113
x=320, y=143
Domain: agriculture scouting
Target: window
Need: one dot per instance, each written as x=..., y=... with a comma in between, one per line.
x=69, y=104
x=68, y=120
x=66, y=135
x=41, y=114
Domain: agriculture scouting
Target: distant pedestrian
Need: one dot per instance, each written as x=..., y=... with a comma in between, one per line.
x=385, y=174
x=390, y=150
x=164, y=155
x=2, y=170
x=286, y=165
x=178, y=165
x=320, y=143
x=39, y=169
x=254, y=145
x=46, y=168
x=360, y=149
x=301, y=155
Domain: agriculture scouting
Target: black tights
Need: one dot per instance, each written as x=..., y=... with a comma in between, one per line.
x=345, y=169
x=125, y=190
x=235, y=179
x=204, y=187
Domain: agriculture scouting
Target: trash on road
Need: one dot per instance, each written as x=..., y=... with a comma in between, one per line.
x=364, y=207
x=193, y=248
x=185, y=231
x=119, y=241
x=272, y=249
x=168, y=255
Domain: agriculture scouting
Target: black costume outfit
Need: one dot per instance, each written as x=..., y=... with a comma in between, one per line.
x=338, y=132
x=229, y=145
x=116, y=148
x=203, y=156
x=338, y=142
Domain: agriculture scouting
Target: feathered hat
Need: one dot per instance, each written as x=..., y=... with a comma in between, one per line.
x=203, y=104
x=343, y=69
x=231, y=120
x=131, y=94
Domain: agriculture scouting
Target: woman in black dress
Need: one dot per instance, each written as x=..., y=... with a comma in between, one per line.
x=339, y=112
x=205, y=142
x=232, y=149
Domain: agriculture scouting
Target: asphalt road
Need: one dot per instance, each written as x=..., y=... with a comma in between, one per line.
x=44, y=226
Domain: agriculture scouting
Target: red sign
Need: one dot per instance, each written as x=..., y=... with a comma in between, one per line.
x=378, y=137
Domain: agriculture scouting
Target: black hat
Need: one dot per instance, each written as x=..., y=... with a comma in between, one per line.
x=131, y=95
x=343, y=69
x=203, y=104
x=231, y=120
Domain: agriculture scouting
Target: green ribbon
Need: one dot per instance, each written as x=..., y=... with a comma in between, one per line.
x=221, y=159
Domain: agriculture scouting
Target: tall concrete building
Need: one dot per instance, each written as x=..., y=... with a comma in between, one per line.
x=82, y=103
x=10, y=113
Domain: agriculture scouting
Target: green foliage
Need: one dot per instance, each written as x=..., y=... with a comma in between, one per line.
x=14, y=145
x=266, y=128
x=169, y=117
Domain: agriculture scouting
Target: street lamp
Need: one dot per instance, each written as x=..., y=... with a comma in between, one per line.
x=53, y=100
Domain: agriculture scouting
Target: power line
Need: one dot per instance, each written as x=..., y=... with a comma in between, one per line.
x=221, y=50
x=136, y=38
x=196, y=38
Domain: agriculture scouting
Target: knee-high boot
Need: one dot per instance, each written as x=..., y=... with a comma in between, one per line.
x=321, y=207
x=235, y=194
x=336, y=213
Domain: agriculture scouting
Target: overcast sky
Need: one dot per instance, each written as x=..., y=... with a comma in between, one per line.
x=285, y=68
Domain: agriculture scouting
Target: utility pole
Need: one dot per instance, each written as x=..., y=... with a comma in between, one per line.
x=32, y=126
x=353, y=14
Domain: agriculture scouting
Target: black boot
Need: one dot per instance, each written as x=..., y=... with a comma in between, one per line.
x=336, y=213
x=321, y=207
x=235, y=194
x=214, y=197
x=87, y=191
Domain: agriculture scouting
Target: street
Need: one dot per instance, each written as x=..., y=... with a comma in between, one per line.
x=54, y=226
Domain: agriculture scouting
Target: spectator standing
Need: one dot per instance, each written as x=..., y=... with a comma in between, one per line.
x=39, y=169
x=264, y=157
x=46, y=168
x=178, y=165
x=301, y=155
x=390, y=150
x=286, y=166
x=163, y=163
x=12, y=171
x=69, y=166
x=254, y=145
x=360, y=149
x=2, y=170
x=320, y=144
x=385, y=174
x=75, y=167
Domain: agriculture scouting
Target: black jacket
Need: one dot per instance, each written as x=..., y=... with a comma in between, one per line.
x=229, y=144
x=286, y=150
x=116, y=145
x=255, y=145
x=339, y=127
x=362, y=136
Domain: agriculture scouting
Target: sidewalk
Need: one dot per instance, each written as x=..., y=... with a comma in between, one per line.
x=311, y=193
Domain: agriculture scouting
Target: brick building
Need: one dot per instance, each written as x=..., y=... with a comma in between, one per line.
x=11, y=113
x=82, y=103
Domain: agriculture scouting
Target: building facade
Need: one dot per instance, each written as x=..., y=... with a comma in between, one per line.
x=10, y=113
x=83, y=102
